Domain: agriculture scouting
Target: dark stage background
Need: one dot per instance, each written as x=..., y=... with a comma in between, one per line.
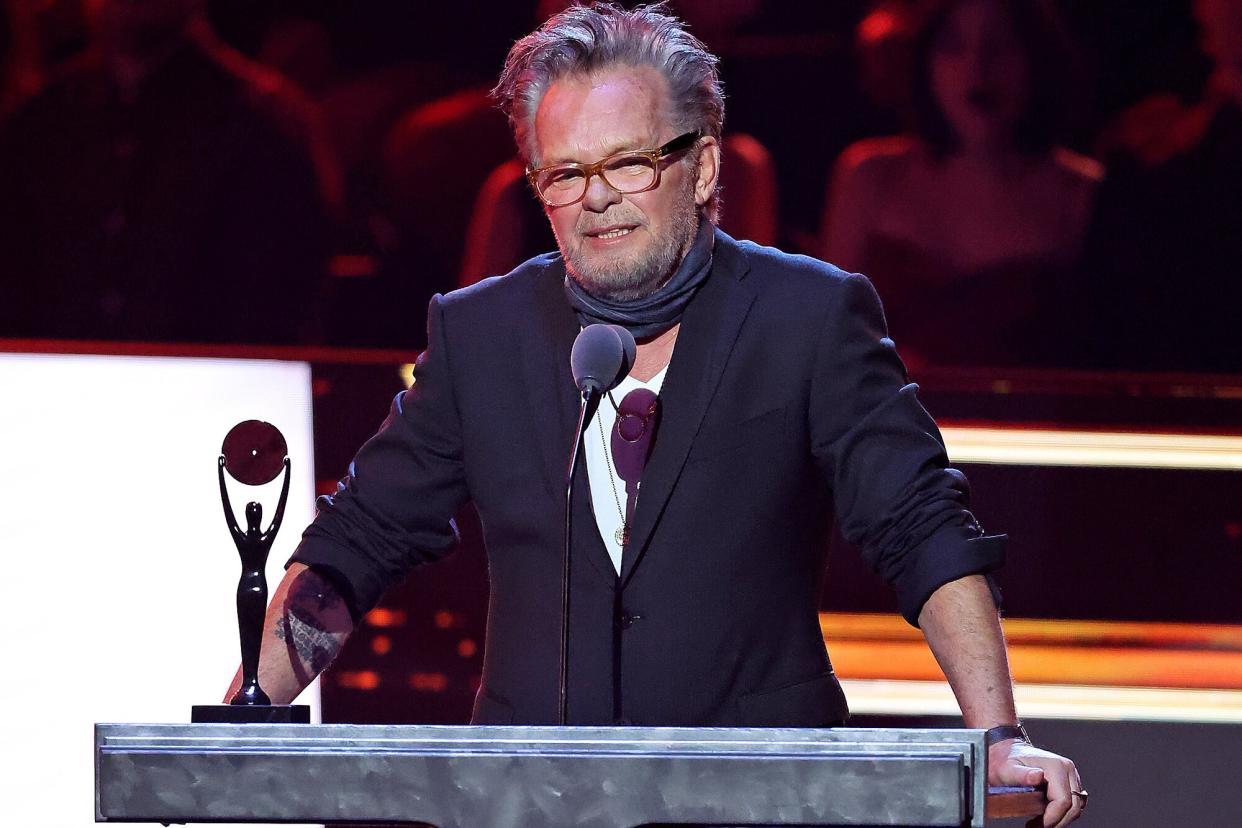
x=309, y=173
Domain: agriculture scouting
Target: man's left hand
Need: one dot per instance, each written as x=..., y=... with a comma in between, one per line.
x=1016, y=763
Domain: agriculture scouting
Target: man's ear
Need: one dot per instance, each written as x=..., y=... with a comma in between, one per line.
x=709, y=170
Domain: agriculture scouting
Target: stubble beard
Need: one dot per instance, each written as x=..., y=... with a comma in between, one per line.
x=622, y=279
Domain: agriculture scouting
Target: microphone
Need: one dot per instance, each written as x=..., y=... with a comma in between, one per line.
x=602, y=356
x=631, y=351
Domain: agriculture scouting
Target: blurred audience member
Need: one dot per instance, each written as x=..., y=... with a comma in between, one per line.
x=1168, y=240
x=160, y=188
x=432, y=163
x=21, y=60
x=359, y=106
x=972, y=226
x=882, y=52
x=302, y=51
x=36, y=37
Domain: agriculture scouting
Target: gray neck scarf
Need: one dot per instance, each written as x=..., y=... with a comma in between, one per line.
x=661, y=310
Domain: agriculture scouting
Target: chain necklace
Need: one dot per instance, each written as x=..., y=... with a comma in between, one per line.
x=623, y=531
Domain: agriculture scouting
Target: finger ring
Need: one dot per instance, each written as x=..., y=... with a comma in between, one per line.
x=1083, y=794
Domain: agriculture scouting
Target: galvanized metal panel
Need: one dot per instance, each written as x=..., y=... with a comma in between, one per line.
x=534, y=776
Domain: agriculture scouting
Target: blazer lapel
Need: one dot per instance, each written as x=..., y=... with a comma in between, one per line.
x=553, y=401
x=709, y=329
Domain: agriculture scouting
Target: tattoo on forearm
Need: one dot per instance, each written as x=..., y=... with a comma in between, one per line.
x=314, y=646
x=309, y=602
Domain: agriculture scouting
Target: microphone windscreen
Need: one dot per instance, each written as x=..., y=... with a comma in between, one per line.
x=630, y=347
x=597, y=358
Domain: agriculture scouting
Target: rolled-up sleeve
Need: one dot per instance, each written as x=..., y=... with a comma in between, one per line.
x=394, y=508
x=882, y=454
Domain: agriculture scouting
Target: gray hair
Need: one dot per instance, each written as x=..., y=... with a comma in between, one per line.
x=586, y=39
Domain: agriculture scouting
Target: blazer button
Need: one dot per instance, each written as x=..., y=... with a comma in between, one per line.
x=626, y=621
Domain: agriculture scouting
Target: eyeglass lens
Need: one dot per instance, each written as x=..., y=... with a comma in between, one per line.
x=623, y=173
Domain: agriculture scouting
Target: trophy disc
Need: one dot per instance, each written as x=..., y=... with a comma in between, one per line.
x=254, y=452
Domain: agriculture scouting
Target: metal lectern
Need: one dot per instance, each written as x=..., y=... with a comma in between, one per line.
x=526, y=777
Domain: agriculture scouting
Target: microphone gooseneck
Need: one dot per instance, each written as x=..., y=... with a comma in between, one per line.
x=601, y=357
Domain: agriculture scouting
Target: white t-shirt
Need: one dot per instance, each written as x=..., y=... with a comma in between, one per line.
x=608, y=490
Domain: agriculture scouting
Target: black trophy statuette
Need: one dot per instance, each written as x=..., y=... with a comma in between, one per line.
x=253, y=454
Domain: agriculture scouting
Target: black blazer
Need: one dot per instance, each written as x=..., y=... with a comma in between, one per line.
x=784, y=398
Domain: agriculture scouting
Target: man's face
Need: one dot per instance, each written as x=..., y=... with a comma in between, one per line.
x=621, y=246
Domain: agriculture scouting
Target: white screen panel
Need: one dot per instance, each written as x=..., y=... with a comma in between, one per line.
x=119, y=568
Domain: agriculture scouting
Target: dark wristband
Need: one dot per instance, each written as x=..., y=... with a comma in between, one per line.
x=999, y=734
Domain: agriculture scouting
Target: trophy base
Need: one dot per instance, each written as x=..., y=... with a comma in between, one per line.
x=250, y=714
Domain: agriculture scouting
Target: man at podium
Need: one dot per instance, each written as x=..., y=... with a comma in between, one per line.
x=764, y=396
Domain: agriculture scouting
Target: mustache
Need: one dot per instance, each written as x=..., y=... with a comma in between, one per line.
x=597, y=221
